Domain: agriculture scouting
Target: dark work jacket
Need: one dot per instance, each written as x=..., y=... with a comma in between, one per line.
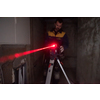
x=59, y=37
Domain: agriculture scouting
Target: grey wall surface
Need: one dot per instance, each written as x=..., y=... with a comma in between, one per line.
x=22, y=30
x=14, y=30
x=37, y=41
x=88, y=50
x=10, y=64
x=14, y=35
x=14, y=38
x=7, y=31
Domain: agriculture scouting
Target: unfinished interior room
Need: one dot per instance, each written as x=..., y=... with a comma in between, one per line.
x=49, y=50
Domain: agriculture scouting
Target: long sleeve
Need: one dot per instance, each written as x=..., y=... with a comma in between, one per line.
x=65, y=41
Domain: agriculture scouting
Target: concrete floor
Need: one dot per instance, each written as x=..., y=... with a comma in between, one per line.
x=70, y=72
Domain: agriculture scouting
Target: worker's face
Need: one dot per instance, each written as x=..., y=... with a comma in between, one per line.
x=58, y=26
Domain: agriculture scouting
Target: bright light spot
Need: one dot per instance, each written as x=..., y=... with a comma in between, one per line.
x=53, y=45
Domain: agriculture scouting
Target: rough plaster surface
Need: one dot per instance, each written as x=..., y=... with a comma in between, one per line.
x=88, y=67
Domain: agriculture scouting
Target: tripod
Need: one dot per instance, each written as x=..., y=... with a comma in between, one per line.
x=50, y=68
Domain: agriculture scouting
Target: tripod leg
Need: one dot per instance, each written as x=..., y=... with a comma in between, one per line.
x=63, y=71
x=49, y=73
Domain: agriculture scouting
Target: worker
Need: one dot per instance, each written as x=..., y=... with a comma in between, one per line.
x=56, y=35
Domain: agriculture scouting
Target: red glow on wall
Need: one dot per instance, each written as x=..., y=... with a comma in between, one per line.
x=17, y=55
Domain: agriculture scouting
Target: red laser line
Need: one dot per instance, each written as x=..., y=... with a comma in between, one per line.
x=17, y=55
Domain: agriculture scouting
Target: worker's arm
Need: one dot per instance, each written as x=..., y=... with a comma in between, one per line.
x=65, y=43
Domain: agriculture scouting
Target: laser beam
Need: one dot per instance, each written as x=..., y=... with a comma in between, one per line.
x=17, y=55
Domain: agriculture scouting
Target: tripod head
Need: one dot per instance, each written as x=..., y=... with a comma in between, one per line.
x=56, y=42
x=53, y=51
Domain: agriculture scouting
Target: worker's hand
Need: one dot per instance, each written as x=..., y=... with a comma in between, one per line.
x=61, y=49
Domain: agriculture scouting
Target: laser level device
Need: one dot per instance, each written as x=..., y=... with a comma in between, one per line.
x=53, y=57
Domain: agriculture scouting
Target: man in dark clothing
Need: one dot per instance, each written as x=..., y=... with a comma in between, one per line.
x=56, y=35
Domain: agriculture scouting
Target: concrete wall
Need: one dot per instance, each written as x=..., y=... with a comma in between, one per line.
x=9, y=65
x=88, y=50
x=14, y=30
x=19, y=35
x=37, y=41
x=14, y=38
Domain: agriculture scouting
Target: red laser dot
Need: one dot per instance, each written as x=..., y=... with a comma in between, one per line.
x=53, y=45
